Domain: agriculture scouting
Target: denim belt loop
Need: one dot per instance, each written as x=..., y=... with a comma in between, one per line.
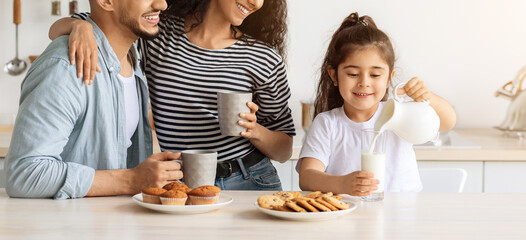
x=242, y=168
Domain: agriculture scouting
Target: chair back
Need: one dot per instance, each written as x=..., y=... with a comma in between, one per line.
x=443, y=179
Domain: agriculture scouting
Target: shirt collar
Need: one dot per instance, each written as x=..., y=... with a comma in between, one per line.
x=109, y=56
x=362, y=125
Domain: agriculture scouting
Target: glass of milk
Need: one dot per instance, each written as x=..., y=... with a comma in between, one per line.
x=373, y=160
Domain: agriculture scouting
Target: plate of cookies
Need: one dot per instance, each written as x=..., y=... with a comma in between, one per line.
x=314, y=206
x=177, y=198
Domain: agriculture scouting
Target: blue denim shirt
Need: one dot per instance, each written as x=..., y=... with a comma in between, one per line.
x=65, y=131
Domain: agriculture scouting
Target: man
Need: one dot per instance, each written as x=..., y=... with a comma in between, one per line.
x=72, y=141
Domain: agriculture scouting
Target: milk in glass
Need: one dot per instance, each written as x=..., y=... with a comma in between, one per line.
x=373, y=160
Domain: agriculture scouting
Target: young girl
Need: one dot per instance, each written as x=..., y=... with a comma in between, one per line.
x=357, y=69
x=206, y=46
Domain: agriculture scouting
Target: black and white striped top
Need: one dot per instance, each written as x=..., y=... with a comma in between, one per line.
x=184, y=80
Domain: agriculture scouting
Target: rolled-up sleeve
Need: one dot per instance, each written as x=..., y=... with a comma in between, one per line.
x=50, y=105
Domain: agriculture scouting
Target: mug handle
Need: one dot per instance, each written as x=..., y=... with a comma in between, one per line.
x=180, y=162
x=402, y=97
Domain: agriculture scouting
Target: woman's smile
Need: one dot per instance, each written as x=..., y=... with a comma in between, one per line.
x=243, y=9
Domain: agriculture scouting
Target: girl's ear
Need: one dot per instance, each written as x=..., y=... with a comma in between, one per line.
x=392, y=75
x=332, y=74
x=386, y=96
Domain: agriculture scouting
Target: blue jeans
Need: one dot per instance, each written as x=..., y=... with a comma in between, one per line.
x=261, y=176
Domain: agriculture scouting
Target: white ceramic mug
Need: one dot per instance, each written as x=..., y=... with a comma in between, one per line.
x=415, y=122
x=199, y=167
x=229, y=106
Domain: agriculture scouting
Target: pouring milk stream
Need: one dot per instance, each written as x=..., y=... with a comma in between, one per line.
x=415, y=122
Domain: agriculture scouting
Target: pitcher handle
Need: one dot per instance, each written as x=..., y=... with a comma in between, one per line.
x=400, y=98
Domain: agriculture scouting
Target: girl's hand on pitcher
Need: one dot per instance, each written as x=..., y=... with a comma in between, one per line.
x=416, y=89
x=83, y=51
x=251, y=121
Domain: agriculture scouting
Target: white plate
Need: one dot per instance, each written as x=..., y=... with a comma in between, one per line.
x=307, y=216
x=223, y=200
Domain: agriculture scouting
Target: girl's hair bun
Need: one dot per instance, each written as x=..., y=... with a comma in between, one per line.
x=355, y=20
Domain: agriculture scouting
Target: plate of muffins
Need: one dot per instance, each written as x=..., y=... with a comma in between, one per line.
x=314, y=206
x=177, y=198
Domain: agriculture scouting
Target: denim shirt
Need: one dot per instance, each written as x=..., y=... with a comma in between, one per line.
x=65, y=131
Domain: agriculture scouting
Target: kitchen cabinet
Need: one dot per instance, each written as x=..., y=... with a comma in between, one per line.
x=487, y=176
x=284, y=173
x=505, y=177
x=288, y=175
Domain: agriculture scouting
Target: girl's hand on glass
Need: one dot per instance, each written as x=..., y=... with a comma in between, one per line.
x=251, y=123
x=83, y=51
x=360, y=183
x=417, y=90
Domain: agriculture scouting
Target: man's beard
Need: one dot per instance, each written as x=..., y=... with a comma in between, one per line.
x=142, y=34
x=134, y=26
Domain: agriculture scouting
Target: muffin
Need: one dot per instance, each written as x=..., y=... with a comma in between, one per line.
x=177, y=186
x=204, y=195
x=173, y=197
x=151, y=195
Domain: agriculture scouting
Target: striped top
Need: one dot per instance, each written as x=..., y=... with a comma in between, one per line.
x=184, y=80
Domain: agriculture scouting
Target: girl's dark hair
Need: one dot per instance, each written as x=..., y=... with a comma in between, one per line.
x=355, y=33
x=268, y=24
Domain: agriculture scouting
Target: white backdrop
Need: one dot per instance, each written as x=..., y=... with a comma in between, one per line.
x=464, y=50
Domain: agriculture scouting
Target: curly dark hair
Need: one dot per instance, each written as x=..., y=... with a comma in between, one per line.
x=355, y=33
x=268, y=24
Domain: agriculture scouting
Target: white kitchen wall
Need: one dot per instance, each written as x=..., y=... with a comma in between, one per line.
x=464, y=50
x=33, y=39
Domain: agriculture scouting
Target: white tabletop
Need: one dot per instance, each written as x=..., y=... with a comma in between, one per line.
x=400, y=216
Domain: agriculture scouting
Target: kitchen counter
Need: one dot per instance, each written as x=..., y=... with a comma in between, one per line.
x=399, y=216
x=494, y=146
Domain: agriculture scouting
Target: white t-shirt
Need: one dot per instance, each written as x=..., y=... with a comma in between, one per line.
x=334, y=139
x=131, y=102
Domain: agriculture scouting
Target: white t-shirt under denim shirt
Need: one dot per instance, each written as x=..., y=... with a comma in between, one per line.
x=131, y=103
x=334, y=139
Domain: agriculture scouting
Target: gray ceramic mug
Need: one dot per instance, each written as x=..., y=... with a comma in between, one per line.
x=229, y=106
x=199, y=167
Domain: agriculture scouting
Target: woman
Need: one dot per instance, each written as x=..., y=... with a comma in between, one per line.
x=208, y=46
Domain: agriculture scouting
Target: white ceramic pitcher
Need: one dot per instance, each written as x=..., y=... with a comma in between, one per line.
x=415, y=122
